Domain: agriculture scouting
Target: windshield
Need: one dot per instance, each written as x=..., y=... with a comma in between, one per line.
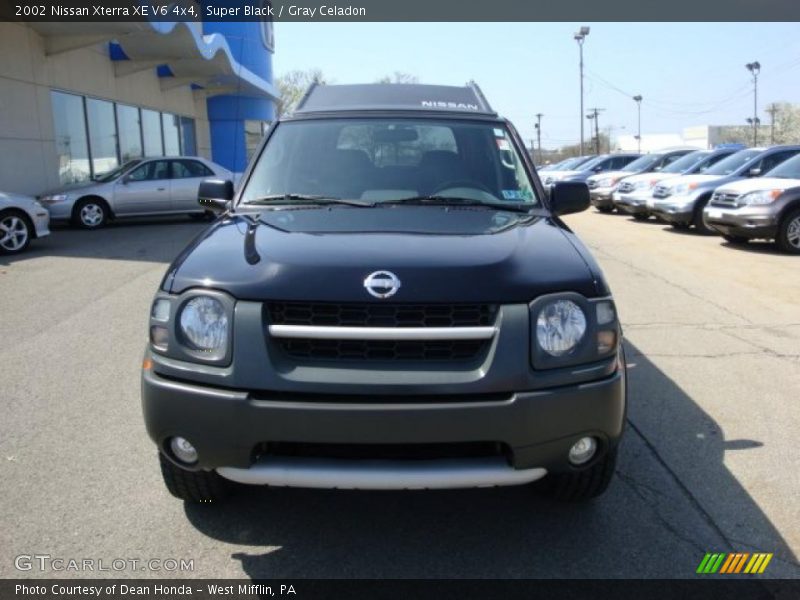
x=385, y=159
x=643, y=163
x=687, y=162
x=113, y=174
x=732, y=163
x=789, y=169
x=590, y=164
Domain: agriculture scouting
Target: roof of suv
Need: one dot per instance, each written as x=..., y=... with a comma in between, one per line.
x=395, y=97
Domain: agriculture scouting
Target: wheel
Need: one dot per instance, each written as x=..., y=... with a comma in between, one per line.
x=193, y=486
x=735, y=239
x=90, y=213
x=699, y=221
x=580, y=486
x=680, y=226
x=605, y=209
x=788, y=238
x=641, y=216
x=15, y=232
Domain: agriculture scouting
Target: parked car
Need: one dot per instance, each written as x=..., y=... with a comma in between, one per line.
x=141, y=187
x=566, y=166
x=766, y=207
x=680, y=201
x=327, y=330
x=22, y=219
x=635, y=194
x=599, y=164
x=603, y=185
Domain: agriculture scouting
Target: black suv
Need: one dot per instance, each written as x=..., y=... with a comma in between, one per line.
x=388, y=301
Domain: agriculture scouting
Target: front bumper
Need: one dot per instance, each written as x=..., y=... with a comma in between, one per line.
x=747, y=221
x=229, y=427
x=41, y=222
x=632, y=203
x=601, y=197
x=674, y=209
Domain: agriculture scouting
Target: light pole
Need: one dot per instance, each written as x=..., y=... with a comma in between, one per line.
x=638, y=100
x=539, y=134
x=754, y=68
x=580, y=36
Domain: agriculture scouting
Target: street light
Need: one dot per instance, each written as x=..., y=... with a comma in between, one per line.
x=638, y=100
x=754, y=68
x=580, y=37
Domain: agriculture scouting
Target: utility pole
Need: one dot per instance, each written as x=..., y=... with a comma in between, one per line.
x=595, y=114
x=755, y=68
x=638, y=100
x=580, y=37
x=539, y=133
x=772, y=110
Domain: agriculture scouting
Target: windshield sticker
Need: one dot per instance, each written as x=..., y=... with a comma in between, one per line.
x=503, y=144
x=499, y=133
x=519, y=195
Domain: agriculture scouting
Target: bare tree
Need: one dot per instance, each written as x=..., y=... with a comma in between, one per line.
x=292, y=85
x=399, y=77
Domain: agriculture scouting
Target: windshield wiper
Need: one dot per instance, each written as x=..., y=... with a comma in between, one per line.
x=278, y=199
x=459, y=201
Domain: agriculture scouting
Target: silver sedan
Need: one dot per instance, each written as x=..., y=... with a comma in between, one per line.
x=22, y=218
x=141, y=187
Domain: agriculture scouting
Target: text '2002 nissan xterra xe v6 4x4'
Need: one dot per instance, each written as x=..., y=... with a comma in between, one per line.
x=388, y=301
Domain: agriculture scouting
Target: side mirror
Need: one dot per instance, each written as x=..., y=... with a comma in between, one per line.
x=215, y=194
x=754, y=172
x=569, y=197
x=597, y=168
x=125, y=179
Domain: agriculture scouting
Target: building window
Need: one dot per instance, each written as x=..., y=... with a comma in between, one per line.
x=130, y=132
x=172, y=138
x=102, y=135
x=72, y=147
x=188, y=137
x=151, y=133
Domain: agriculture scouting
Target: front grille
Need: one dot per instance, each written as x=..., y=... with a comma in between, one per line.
x=334, y=314
x=435, y=451
x=662, y=191
x=316, y=349
x=724, y=199
x=625, y=187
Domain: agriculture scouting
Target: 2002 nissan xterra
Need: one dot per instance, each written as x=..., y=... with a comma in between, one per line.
x=387, y=301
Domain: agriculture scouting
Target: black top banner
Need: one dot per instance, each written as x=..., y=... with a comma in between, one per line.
x=67, y=11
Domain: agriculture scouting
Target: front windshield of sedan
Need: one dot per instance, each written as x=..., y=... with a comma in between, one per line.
x=643, y=163
x=728, y=165
x=113, y=174
x=383, y=159
x=684, y=163
x=789, y=169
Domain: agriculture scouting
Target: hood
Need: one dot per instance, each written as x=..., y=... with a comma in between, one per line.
x=9, y=199
x=753, y=184
x=614, y=174
x=652, y=176
x=438, y=253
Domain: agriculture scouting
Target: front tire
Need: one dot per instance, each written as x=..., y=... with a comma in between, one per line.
x=641, y=216
x=699, y=221
x=193, y=486
x=605, y=209
x=788, y=238
x=90, y=213
x=16, y=232
x=581, y=486
x=737, y=240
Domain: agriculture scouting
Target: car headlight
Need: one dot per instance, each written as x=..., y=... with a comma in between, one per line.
x=758, y=198
x=569, y=329
x=53, y=198
x=560, y=326
x=204, y=323
x=683, y=188
x=195, y=326
x=607, y=182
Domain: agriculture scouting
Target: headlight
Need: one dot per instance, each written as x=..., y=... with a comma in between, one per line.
x=204, y=322
x=568, y=329
x=607, y=182
x=53, y=198
x=560, y=326
x=758, y=198
x=682, y=188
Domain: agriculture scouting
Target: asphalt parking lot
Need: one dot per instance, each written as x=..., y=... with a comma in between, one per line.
x=709, y=462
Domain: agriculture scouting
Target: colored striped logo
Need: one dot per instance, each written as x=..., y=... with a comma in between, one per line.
x=734, y=562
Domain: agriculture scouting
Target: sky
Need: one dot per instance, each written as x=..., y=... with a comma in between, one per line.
x=688, y=73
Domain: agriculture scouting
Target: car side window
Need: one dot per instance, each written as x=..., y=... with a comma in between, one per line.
x=773, y=160
x=156, y=169
x=185, y=169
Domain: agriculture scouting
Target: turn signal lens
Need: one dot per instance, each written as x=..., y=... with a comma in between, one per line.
x=159, y=337
x=606, y=341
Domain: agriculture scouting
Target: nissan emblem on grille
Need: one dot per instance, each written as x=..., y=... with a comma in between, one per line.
x=382, y=284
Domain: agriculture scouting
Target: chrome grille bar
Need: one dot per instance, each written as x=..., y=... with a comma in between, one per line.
x=381, y=333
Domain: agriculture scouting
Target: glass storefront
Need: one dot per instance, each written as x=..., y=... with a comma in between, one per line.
x=93, y=136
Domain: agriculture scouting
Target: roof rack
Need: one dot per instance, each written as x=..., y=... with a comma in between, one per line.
x=468, y=99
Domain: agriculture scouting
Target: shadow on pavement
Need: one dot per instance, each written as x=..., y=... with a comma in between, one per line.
x=661, y=514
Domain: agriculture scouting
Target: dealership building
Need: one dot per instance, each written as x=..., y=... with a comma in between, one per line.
x=78, y=99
